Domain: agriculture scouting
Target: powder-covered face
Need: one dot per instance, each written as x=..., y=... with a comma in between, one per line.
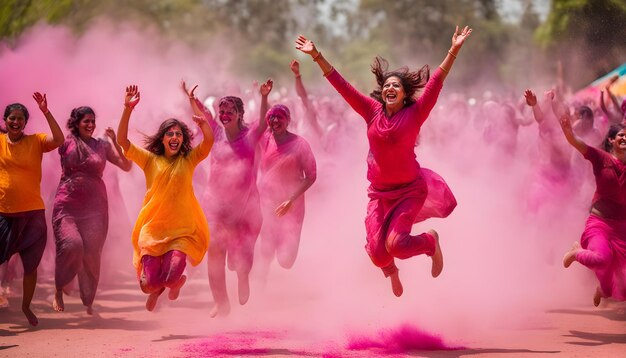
x=619, y=143
x=172, y=141
x=228, y=114
x=86, y=126
x=15, y=123
x=278, y=122
x=393, y=92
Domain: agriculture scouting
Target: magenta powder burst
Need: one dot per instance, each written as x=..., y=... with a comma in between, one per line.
x=399, y=340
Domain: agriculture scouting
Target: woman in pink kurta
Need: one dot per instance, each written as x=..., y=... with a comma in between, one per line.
x=602, y=246
x=231, y=202
x=401, y=192
x=287, y=169
x=80, y=218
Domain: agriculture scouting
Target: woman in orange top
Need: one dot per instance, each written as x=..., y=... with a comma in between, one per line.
x=171, y=227
x=22, y=218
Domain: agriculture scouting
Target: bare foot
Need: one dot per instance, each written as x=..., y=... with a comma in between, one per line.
x=597, y=297
x=570, y=256
x=57, y=302
x=437, y=257
x=30, y=316
x=4, y=301
x=396, y=285
x=175, y=290
x=152, y=299
x=90, y=310
x=243, y=288
x=222, y=309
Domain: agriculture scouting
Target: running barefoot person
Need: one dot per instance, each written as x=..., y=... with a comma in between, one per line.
x=22, y=219
x=288, y=170
x=171, y=227
x=80, y=218
x=401, y=193
x=232, y=201
x=602, y=246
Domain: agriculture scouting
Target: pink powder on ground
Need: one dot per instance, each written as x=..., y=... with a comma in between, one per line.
x=399, y=340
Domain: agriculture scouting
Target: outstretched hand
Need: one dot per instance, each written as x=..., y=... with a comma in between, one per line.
x=199, y=120
x=189, y=94
x=295, y=67
x=566, y=123
x=531, y=98
x=132, y=96
x=305, y=45
x=109, y=132
x=266, y=87
x=42, y=102
x=283, y=208
x=458, y=38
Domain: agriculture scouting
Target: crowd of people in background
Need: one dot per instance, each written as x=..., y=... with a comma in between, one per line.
x=251, y=199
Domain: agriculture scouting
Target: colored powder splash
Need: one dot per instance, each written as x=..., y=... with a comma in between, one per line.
x=405, y=338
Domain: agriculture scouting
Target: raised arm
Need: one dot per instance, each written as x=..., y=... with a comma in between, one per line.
x=130, y=101
x=458, y=39
x=207, y=133
x=264, y=89
x=198, y=107
x=57, y=134
x=118, y=158
x=531, y=100
x=307, y=46
x=308, y=106
x=364, y=105
x=566, y=125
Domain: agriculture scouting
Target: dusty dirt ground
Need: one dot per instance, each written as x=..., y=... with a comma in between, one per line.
x=123, y=328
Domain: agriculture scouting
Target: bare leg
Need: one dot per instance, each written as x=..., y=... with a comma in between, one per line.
x=396, y=285
x=243, y=279
x=57, y=302
x=570, y=256
x=597, y=297
x=217, y=280
x=29, y=283
x=437, y=257
x=153, y=298
x=175, y=290
x=221, y=309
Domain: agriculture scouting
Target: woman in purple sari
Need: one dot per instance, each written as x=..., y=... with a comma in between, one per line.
x=80, y=218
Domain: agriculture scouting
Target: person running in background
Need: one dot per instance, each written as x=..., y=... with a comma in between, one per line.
x=288, y=169
x=232, y=202
x=80, y=217
x=171, y=227
x=401, y=192
x=22, y=216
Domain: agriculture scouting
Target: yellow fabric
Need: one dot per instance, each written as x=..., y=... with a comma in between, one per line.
x=20, y=173
x=171, y=217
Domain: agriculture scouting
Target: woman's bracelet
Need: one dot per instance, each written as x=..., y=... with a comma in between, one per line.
x=444, y=70
x=451, y=54
x=317, y=57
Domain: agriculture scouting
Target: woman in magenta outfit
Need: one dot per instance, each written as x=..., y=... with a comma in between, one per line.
x=232, y=201
x=80, y=218
x=401, y=192
x=288, y=170
x=602, y=246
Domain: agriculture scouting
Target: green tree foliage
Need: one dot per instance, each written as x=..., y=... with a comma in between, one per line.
x=588, y=35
